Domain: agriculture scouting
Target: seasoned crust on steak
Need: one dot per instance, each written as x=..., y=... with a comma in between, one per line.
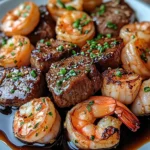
x=104, y=52
x=49, y=51
x=18, y=86
x=73, y=80
x=110, y=17
x=45, y=28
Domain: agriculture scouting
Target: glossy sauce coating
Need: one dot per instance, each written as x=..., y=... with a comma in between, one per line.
x=129, y=140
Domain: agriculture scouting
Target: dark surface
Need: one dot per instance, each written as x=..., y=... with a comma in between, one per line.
x=47, y=52
x=74, y=88
x=110, y=57
x=128, y=141
x=119, y=14
x=45, y=28
x=18, y=86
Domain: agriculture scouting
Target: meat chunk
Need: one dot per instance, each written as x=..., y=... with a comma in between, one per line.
x=110, y=17
x=49, y=51
x=105, y=52
x=18, y=86
x=73, y=80
x=45, y=28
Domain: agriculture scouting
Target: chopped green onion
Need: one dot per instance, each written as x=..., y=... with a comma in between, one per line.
x=118, y=73
x=33, y=73
x=50, y=113
x=62, y=71
x=112, y=25
x=70, y=8
x=101, y=10
x=48, y=43
x=92, y=137
x=60, y=48
x=146, y=89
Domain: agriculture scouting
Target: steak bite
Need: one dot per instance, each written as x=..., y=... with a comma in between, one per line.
x=105, y=52
x=45, y=28
x=110, y=17
x=18, y=86
x=73, y=80
x=49, y=51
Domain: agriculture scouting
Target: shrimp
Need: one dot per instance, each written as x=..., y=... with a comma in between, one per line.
x=76, y=27
x=59, y=7
x=135, y=56
x=131, y=31
x=121, y=85
x=22, y=20
x=37, y=121
x=141, y=105
x=89, y=5
x=15, y=52
x=80, y=122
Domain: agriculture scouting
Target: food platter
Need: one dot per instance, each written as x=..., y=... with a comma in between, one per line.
x=138, y=6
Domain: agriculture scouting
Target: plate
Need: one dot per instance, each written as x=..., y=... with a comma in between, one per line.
x=142, y=12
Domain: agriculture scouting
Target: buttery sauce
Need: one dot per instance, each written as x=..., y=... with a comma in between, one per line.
x=128, y=141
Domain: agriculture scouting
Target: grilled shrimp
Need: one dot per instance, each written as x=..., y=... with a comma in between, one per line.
x=141, y=105
x=86, y=135
x=131, y=31
x=89, y=5
x=135, y=56
x=15, y=51
x=37, y=121
x=59, y=7
x=120, y=85
x=76, y=27
x=22, y=20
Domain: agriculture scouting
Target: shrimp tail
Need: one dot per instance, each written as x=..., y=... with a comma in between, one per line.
x=128, y=118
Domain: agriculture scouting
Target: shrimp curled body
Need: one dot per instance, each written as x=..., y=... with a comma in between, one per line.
x=59, y=7
x=141, y=105
x=37, y=121
x=89, y=5
x=121, y=85
x=16, y=52
x=135, y=56
x=130, y=31
x=22, y=20
x=76, y=27
x=80, y=122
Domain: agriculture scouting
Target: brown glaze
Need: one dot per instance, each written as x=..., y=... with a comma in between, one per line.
x=45, y=28
x=73, y=80
x=129, y=140
x=50, y=51
x=18, y=86
x=115, y=12
x=104, y=52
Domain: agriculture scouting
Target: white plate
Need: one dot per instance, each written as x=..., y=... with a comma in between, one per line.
x=142, y=12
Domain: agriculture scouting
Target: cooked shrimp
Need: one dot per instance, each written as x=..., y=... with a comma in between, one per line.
x=131, y=31
x=89, y=5
x=80, y=122
x=16, y=52
x=37, y=121
x=141, y=105
x=135, y=56
x=120, y=85
x=22, y=20
x=59, y=7
x=76, y=27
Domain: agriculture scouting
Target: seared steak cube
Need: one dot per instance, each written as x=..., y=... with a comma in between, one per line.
x=73, y=80
x=45, y=28
x=110, y=17
x=49, y=51
x=18, y=86
x=104, y=52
